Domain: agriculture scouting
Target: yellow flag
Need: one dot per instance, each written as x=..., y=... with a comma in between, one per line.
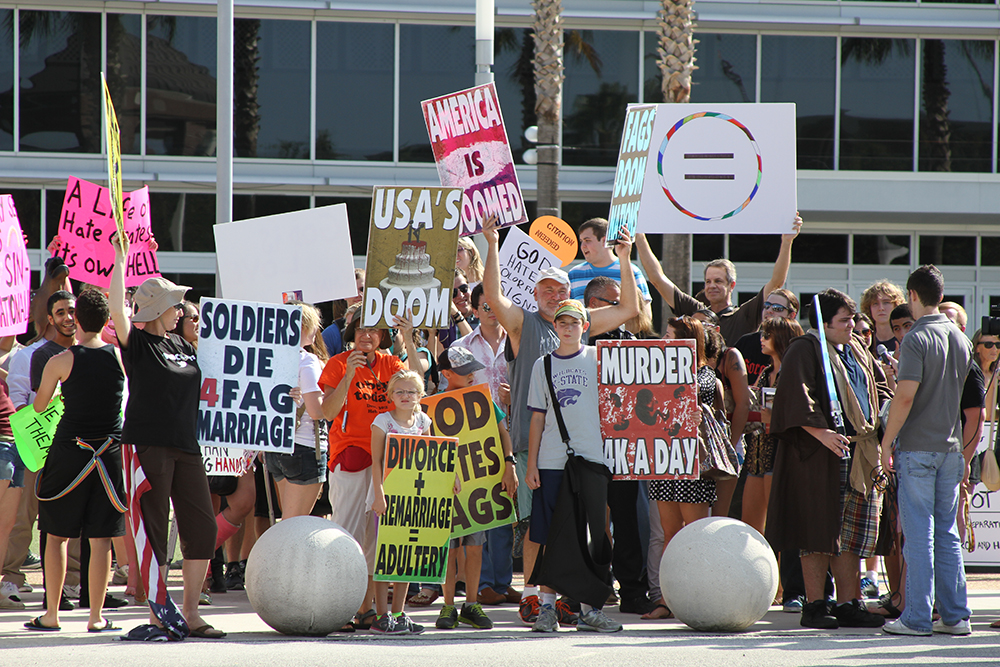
x=113, y=136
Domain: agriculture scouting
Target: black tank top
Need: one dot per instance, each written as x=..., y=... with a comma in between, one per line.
x=92, y=395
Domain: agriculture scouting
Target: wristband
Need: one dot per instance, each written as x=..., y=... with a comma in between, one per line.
x=510, y=458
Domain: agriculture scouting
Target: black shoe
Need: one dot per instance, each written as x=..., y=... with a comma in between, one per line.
x=65, y=604
x=217, y=577
x=110, y=602
x=854, y=614
x=234, y=575
x=636, y=605
x=817, y=615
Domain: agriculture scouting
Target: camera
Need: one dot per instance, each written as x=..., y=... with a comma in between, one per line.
x=991, y=324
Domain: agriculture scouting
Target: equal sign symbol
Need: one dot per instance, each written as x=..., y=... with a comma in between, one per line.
x=708, y=177
x=414, y=532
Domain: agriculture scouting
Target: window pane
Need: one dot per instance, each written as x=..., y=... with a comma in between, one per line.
x=355, y=57
x=256, y=206
x=989, y=252
x=602, y=69
x=515, y=81
x=359, y=212
x=880, y=249
x=434, y=60
x=183, y=221
x=272, y=59
x=180, y=85
x=727, y=68
x=948, y=250
x=60, y=81
x=706, y=247
x=29, y=211
x=124, y=60
x=202, y=284
x=876, y=104
x=956, y=105
x=803, y=70
x=817, y=249
x=757, y=248
x=6, y=82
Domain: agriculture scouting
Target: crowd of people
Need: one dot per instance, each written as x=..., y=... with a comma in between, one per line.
x=882, y=476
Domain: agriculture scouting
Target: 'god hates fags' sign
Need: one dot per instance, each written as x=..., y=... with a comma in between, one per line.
x=249, y=358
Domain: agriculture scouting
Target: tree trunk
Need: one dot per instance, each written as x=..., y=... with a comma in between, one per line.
x=676, y=50
x=937, y=126
x=548, y=92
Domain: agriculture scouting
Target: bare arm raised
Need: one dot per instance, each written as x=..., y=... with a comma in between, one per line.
x=654, y=272
x=611, y=317
x=116, y=293
x=511, y=317
x=784, y=258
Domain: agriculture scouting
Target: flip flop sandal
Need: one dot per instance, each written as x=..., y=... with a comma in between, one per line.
x=107, y=627
x=995, y=624
x=364, y=622
x=36, y=624
x=424, y=598
x=650, y=617
x=207, y=632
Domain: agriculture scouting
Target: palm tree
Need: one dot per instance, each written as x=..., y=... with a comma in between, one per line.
x=676, y=49
x=548, y=68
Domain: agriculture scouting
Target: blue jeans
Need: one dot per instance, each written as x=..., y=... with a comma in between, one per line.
x=498, y=566
x=928, y=502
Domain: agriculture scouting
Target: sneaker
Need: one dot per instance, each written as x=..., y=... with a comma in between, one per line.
x=817, y=615
x=407, y=623
x=473, y=614
x=234, y=575
x=65, y=604
x=9, y=590
x=32, y=562
x=528, y=609
x=565, y=614
x=547, y=620
x=448, y=619
x=963, y=627
x=25, y=588
x=869, y=588
x=637, y=605
x=120, y=576
x=386, y=625
x=854, y=614
x=204, y=598
x=897, y=628
x=793, y=606
x=596, y=620
x=10, y=603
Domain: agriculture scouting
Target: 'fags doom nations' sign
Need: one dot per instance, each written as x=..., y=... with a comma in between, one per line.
x=249, y=358
x=647, y=401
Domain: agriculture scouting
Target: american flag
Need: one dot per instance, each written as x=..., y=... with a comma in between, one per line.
x=162, y=606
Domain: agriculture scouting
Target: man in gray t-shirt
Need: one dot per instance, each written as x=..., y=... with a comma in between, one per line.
x=934, y=361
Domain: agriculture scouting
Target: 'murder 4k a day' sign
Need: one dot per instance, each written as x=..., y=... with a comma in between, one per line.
x=419, y=485
x=85, y=228
x=471, y=150
x=412, y=245
x=647, y=402
x=249, y=358
x=15, y=272
x=468, y=414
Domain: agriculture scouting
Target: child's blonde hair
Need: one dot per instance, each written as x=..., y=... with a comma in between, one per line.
x=402, y=376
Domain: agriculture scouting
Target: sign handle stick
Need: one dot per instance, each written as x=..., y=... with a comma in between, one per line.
x=267, y=490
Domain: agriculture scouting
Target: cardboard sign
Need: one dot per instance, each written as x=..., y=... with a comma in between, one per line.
x=556, y=236
x=984, y=511
x=220, y=462
x=647, y=398
x=631, y=171
x=113, y=137
x=468, y=415
x=33, y=432
x=86, y=225
x=307, y=252
x=521, y=260
x=412, y=244
x=249, y=358
x=413, y=533
x=472, y=152
x=15, y=283
x=711, y=169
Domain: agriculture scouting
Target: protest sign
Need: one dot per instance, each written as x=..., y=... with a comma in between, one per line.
x=220, y=461
x=472, y=152
x=468, y=415
x=709, y=169
x=631, y=171
x=648, y=399
x=521, y=260
x=15, y=283
x=33, y=432
x=249, y=358
x=86, y=225
x=556, y=236
x=412, y=244
x=419, y=485
x=984, y=523
x=306, y=252
x=113, y=138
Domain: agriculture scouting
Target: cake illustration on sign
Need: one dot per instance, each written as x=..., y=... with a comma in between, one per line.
x=412, y=269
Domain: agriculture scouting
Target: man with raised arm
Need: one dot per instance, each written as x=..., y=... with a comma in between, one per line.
x=531, y=335
x=720, y=281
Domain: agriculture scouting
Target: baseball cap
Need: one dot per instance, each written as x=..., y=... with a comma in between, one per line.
x=459, y=360
x=571, y=307
x=553, y=273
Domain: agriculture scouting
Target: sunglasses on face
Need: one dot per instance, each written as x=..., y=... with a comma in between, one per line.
x=988, y=344
x=776, y=307
x=864, y=332
x=610, y=302
x=464, y=289
x=485, y=307
x=765, y=335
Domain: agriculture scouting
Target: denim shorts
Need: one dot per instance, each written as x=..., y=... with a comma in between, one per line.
x=299, y=467
x=11, y=466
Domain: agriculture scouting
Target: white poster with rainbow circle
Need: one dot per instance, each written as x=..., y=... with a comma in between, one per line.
x=707, y=169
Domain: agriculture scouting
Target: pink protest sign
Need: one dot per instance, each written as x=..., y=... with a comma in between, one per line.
x=15, y=272
x=85, y=229
x=471, y=150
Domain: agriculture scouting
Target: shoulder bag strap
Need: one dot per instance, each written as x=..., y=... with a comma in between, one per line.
x=563, y=433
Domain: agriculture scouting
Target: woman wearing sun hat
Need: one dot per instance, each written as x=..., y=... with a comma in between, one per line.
x=161, y=422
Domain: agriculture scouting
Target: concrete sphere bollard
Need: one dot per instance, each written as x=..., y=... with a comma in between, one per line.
x=718, y=575
x=306, y=576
